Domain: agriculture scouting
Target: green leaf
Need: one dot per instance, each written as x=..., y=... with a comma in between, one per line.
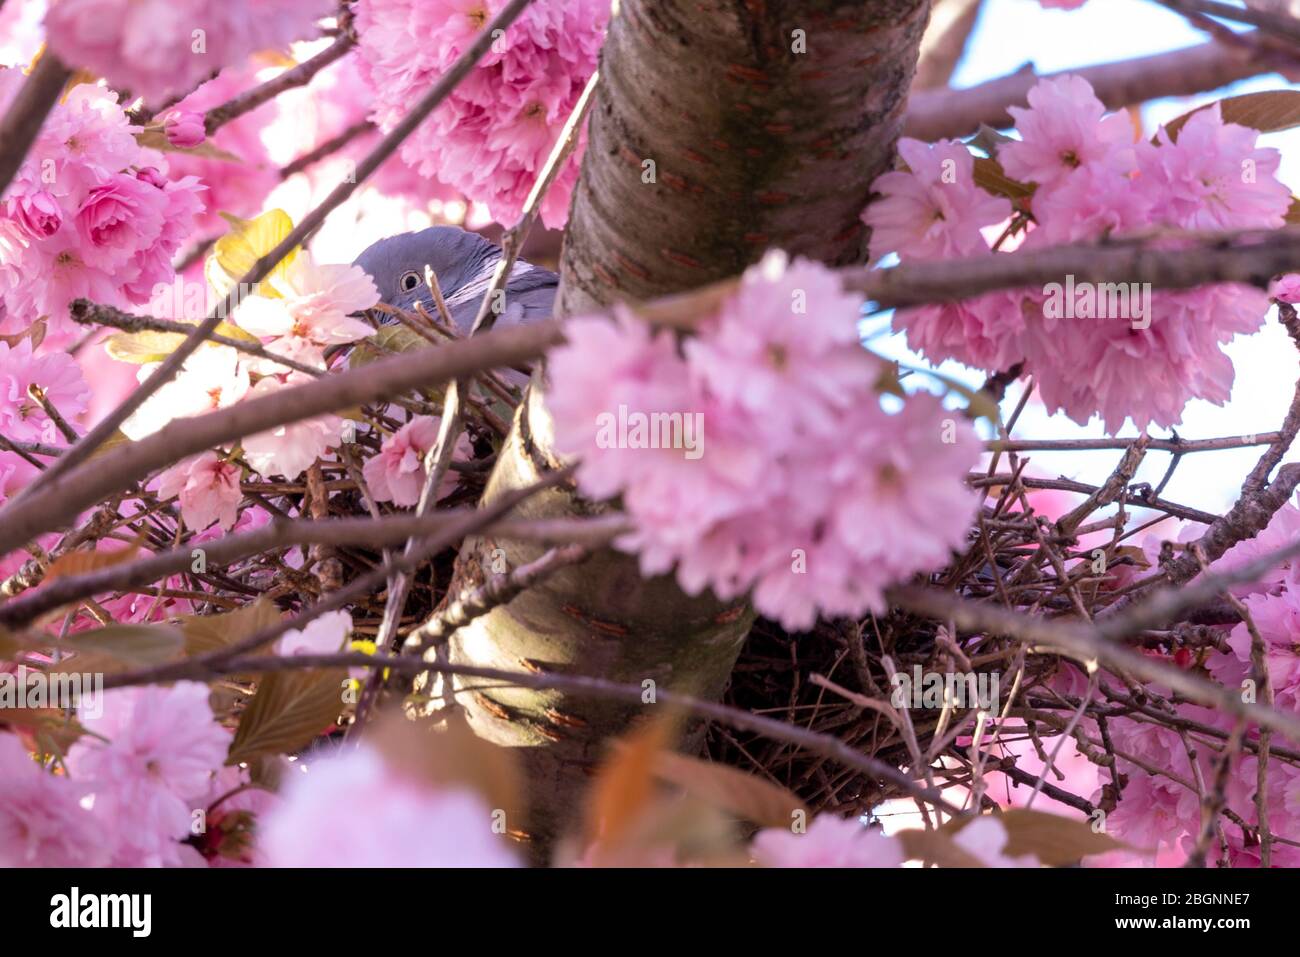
x=289, y=709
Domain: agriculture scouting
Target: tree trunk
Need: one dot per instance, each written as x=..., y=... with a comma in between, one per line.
x=764, y=124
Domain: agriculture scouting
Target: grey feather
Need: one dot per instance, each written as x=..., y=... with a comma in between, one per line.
x=464, y=263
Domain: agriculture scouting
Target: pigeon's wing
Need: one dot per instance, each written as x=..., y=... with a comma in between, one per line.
x=530, y=295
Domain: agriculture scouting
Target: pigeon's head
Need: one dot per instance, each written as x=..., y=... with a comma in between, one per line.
x=397, y=264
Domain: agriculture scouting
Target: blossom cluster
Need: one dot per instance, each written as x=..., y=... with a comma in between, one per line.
x=90, y=213
x=787, y=476
x=1109, y=349
x=490, y=138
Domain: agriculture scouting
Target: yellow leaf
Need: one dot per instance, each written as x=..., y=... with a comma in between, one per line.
x=235, y=253
x=142, y=347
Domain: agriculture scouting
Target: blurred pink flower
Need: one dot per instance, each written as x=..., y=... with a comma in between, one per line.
x=830, y=841
x=323, y=635
x=212, y=378
x=159, y=47
x=42, y=823
x=162, y=749
x=208, y=488
x=318, y=824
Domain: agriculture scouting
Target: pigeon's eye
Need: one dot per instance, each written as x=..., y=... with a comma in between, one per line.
x=409, y=281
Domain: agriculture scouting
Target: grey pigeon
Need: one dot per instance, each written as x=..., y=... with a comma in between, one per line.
x=463, y=262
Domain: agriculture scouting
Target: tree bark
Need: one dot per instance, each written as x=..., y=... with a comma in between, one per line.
x=765, y=123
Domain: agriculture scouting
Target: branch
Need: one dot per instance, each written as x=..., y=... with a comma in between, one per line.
x=57, y=502
x=1087, y=643
x=27, y=113
x=299, y=75
x=933, y=115
x=87, y=313
x=1252, y=257
x=373, y=533
x=824, y=744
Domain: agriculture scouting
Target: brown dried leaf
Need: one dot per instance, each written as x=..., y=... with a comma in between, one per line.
x=289, y=709
x=747, y=796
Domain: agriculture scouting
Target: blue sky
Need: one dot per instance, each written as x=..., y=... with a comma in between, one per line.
x=1011, y=33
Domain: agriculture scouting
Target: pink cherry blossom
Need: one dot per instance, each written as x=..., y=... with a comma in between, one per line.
x=162, y=747
x=38, y=213
x=118, y=219
x=1282, y=530
x=984, y=332
x=1213, y=176
x=830, y=841
x=212, y=378
x=492, y=135
x=397, y=473
x=158, y=47
x=85, y=217
x=934, y=209
x=42, y=823
x=1286, y=289
x=208, y=488
x=1065, y=128
x=289, y=449
x=776, y=379
x=405, y=825
x=312, y=311
x=56, y=374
